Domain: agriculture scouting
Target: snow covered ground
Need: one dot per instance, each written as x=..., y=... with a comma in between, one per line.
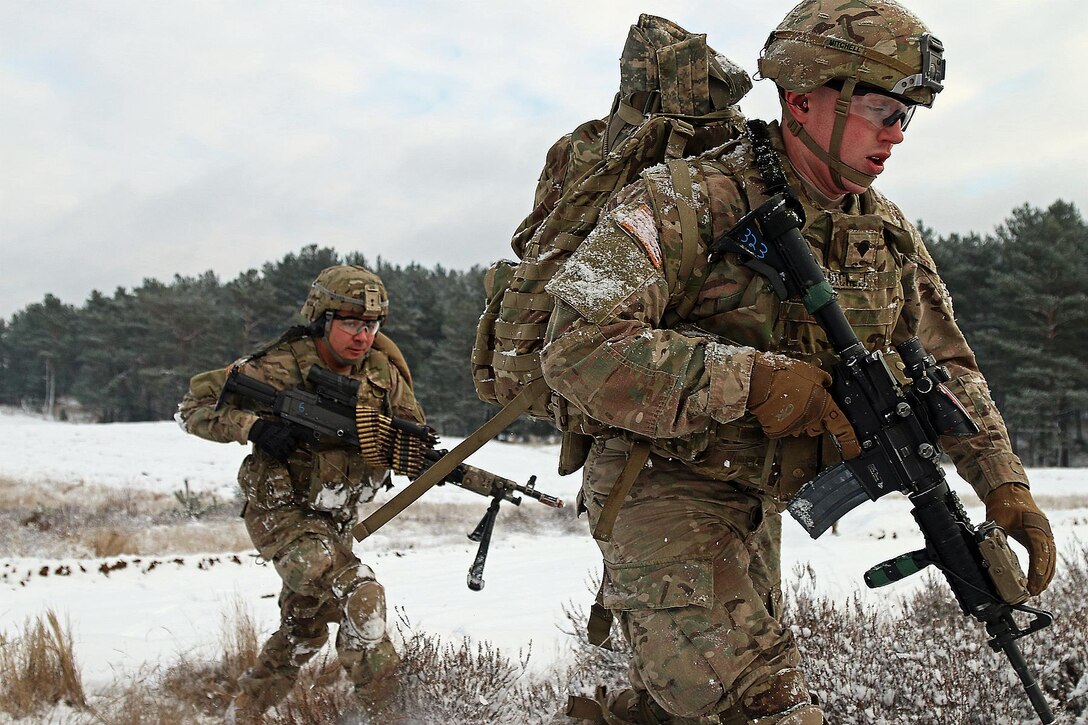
x=155, y=608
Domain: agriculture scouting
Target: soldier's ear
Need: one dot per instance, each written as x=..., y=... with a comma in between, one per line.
x=796, y=105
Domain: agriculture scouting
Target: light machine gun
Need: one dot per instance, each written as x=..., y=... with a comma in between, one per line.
x=330, y=414
x=898, y=427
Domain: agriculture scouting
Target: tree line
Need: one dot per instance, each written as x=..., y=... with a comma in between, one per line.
x=1021, y=296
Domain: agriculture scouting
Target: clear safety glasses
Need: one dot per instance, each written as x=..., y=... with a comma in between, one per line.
x=354, y=325
x=880, y=110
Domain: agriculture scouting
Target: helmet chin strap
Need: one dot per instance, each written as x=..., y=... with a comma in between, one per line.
x=830, y=156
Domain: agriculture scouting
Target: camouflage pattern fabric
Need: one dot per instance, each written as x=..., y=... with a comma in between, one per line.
x=323, y=583
x=677, y=97
x=348, y=289
x=299, y=516
x=616, y=352
x=875, y=41
x=690, y=572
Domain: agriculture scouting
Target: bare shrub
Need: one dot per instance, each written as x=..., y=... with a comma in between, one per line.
x=927, y=662
x=454, y=682
x=141, y=700
x=38, y=669
x=192, y=537
x=111, y=542
x=921, y=661
x=194, y=504
x=462, y=682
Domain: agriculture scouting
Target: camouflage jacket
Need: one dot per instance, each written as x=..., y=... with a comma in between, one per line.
x=617, y=350
x=329, y=479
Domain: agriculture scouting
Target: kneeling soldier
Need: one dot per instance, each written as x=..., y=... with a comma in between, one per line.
x=301, y=501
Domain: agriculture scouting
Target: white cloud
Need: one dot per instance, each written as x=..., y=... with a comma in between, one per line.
x=143, y=139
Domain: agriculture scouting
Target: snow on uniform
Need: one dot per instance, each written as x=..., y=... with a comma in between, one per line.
x=692, y=567
x=300, y=515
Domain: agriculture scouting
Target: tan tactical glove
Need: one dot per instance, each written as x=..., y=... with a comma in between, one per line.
x=1012, y=508
x=789, y=398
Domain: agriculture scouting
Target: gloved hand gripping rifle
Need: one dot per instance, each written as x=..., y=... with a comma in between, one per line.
x=898, y=427
x=330, y=414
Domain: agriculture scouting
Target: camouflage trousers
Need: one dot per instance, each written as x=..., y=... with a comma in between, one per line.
x=323, y=583
x=692, y=572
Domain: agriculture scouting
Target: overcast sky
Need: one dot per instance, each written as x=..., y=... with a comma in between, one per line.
x=143, y=139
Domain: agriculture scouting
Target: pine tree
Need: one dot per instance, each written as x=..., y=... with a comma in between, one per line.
x=42, y=359
x=1041, y=304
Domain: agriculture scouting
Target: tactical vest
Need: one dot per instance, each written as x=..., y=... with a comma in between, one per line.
x=861, y=252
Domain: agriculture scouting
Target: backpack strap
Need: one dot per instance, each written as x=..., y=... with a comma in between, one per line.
x=296, y=332
x=636, y=459
x=445, y=465
x=382, y=343
x=599, y=624
x=680, y=132
x=623, y=114
x=689, y=236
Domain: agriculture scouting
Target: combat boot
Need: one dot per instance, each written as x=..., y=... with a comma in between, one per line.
x=623, y=707
x=782, y=699
x=800, y=715
x=243, y=710
x=377, y=679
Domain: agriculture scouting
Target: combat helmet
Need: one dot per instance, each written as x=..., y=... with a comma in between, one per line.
x=877, y=45
x=349, y=290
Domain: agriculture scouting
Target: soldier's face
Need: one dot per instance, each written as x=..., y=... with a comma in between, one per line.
x=866, y=145
x=351, y=338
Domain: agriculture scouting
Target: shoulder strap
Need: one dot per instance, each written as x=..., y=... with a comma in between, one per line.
x=689, y=234
x=445, y=465
x=382, y=343
x=774, y=177
x=295, y=332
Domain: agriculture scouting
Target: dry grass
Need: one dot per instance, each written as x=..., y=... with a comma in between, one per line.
x=53, y=522
x=922, y=663
x=38, y=669
x=189, y=690
x=56, y=521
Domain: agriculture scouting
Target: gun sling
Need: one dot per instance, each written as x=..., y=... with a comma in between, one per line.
x=445, y=465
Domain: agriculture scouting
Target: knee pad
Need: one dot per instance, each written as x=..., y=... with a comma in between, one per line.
x=304, y=565
x=362, y=604
x=350, y=578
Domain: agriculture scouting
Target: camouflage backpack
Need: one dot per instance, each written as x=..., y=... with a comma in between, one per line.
x=677, y=99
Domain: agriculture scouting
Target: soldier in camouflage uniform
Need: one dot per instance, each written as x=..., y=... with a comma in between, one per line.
x=733, y=398
x=301, y=500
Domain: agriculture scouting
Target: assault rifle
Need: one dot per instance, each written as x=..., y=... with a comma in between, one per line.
x=898, y=427
x=328, y=415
